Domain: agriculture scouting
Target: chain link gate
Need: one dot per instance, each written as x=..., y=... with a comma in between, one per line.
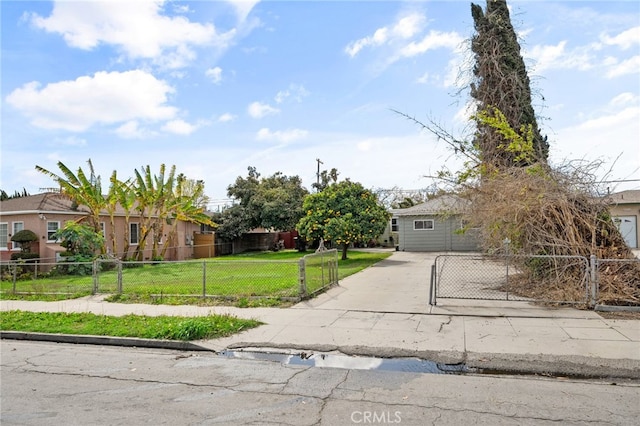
x=512, y=278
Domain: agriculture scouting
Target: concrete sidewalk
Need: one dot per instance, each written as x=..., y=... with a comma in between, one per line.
x=383, y=311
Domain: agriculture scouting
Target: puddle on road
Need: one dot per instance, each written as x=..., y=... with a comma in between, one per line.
x=409, y=365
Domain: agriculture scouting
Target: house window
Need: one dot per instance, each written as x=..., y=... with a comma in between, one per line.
x=17, y=227
x=102, y=230
x=52, y=228
x=394, y=224
x=134, y=234
x=422, y=225
x=4, y=235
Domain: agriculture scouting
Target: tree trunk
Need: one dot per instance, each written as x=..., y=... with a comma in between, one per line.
x=344, y=251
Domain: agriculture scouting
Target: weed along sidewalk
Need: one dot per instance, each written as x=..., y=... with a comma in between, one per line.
x=383, y=311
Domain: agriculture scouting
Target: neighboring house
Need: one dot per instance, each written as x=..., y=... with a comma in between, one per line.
x=433, y=226
x=625, y=210
x=45, y=213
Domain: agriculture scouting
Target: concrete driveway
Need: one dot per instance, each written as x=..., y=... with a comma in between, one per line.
x=397, y=284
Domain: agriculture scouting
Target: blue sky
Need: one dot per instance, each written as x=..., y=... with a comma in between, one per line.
x=214, y=87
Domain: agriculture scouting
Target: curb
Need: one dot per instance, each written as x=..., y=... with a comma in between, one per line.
x=104, y=340
x=565, y=366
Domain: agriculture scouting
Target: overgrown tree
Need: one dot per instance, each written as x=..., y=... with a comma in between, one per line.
x=502, y=83
x=343, y=213
x=516, y=195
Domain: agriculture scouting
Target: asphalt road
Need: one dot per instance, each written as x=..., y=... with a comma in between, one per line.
x=53, y=383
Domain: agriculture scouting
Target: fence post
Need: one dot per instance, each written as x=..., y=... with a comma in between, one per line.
x=432, y=290
x=302, y=278
x=119, y=283
x=15, y=276
x=204, y=279
x=94, y=274
x=507, y=241
x=594, y=280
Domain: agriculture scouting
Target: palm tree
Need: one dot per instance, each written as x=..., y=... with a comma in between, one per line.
x=187, y=205
x=82, y=191
x=153, y=195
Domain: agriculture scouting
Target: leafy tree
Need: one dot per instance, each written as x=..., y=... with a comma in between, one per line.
x=274, y=202
x=325, y=178
x=502, y=83
x=81, y=241
x=16, y=194
x=344, y=213
x=231, y=223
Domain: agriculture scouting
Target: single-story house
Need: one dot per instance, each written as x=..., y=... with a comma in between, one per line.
x=435, y=225
x=625, y=211
x=45, y=213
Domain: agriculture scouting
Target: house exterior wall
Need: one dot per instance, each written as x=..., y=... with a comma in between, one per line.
x=628, y=210
x=442, y=237
x=39, y=221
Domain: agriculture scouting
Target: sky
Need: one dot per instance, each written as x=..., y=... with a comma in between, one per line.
x=215, y=87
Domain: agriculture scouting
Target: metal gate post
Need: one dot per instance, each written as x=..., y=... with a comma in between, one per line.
x=593, y=279
x=506, y=242
x=432, y=290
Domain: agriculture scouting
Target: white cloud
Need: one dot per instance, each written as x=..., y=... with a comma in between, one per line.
x=295, y=92
x=626, y=98
x=70, y=141
x=215, y=74
x=259, y=110
x=625, y=39
x=243, y=8
x=226, y=117
x=104, y=98
x=138, y=28
x=179, y=127
x=433, y=40
x=557, y=56
x=628, y=66
x=610, y=135
x=132, y=130
x=286, y=136
x=404, y=28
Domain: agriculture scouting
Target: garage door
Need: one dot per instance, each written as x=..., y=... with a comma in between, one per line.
x=628, y=228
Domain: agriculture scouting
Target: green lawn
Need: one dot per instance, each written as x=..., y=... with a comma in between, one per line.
x=161, y=327
x=270, y=275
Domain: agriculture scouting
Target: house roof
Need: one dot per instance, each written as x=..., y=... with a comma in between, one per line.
x=435, y=206
x=631, y=196
x=45, y=202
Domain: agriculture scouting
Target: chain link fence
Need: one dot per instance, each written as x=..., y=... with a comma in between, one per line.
x=561, y=279
x=221, y=278
x=613, y=281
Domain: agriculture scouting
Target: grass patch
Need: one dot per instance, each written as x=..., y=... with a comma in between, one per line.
x=242, y=302
x=161, y=327
x=242, y=280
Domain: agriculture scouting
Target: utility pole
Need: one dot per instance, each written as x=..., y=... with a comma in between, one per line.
x=318, y=175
